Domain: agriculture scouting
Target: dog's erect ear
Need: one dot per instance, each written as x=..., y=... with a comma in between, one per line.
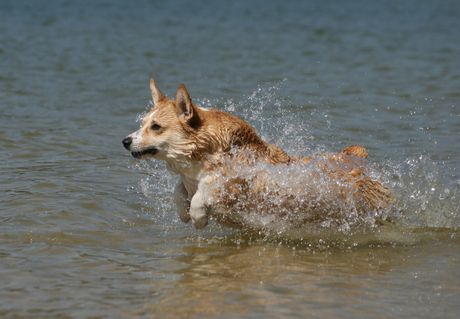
x=183, y=104
x=156, y=93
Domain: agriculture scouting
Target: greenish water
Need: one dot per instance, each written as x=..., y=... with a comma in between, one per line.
x=86, y=231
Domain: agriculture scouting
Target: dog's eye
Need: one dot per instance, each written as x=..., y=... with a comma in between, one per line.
x=156, y=127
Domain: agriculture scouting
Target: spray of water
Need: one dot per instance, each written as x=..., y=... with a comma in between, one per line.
x=424, y=198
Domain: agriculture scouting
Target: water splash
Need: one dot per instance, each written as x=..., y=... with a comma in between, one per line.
x=425, y=198
x=155, y=189
x=277, y=199
x=140, y=117
x=271, y=113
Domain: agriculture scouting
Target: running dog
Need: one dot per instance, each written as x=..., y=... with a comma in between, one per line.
x=205, y=146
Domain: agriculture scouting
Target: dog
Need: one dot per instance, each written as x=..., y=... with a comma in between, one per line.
x=214, y=152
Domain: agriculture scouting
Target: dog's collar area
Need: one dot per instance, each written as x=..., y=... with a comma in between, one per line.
x=150, y=151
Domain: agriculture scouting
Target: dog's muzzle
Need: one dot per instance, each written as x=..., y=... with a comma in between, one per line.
x=127, y=142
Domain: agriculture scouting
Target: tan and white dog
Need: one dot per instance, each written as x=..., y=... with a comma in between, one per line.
x=202, y=144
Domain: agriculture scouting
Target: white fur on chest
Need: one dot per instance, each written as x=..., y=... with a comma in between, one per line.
x=191, y=174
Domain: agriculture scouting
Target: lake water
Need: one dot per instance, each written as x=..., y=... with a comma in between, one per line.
x=87, y=231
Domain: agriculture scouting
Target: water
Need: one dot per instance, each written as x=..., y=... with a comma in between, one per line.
x=86, y=231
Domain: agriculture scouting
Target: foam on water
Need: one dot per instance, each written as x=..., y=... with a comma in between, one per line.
x=425, y=198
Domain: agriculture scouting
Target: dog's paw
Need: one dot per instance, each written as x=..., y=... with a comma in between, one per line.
x=185, y=217
x=198, y=212
x=199, y=221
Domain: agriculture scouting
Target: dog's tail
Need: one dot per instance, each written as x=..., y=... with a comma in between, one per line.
x=355, y=150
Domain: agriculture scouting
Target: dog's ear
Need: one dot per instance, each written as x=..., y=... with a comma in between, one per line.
x=157, y=96
x=183, y=104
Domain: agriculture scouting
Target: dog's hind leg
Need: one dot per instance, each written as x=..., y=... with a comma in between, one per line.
x=198, y=211
x=182, y=202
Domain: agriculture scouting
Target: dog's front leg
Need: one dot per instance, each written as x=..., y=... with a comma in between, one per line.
x=198, y=211
x=182, y=202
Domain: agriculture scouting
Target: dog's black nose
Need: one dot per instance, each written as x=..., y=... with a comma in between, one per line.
x=127, y=142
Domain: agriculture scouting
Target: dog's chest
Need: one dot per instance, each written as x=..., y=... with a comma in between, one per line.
x=191, y=174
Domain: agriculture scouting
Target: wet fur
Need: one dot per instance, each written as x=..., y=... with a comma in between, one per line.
x=199, y=143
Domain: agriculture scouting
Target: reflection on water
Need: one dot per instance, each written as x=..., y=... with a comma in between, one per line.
x=270, y=278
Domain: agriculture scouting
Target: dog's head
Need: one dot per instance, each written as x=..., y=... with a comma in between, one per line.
x=166, y=130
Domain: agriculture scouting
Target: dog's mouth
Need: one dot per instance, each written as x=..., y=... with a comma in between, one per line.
x=150, y=151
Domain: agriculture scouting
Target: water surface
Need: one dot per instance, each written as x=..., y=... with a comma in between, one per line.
x=87, y=231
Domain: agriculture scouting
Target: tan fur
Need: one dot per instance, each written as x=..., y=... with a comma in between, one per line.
x=197, y=144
